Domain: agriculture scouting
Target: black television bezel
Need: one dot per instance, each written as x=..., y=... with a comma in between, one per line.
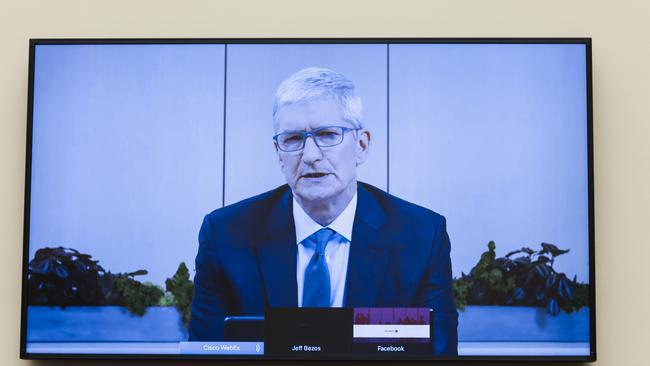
x=586, y=41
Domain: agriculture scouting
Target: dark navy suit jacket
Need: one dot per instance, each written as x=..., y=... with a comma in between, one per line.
x=399, y=257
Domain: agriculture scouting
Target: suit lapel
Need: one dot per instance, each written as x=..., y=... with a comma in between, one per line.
x=277, y=256
x=366, y=265
x=368, y=252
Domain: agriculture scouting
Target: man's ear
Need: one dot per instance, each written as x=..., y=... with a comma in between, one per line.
x=277, y=152
x=363, y=145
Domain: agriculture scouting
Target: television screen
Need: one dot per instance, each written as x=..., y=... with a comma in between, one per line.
x=309, y=199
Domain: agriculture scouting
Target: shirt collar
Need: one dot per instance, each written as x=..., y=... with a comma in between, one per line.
x=305, y=225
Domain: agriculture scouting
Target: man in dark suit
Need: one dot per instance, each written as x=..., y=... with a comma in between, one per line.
x=324, y=239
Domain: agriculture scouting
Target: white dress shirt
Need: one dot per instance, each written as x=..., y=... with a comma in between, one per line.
x=337, y=250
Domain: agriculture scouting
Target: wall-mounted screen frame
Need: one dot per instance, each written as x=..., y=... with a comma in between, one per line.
x=174, y=191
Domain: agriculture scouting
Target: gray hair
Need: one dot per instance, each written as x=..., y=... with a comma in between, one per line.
x=317, y=82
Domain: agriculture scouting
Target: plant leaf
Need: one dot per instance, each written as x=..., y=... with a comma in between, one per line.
x=553, y=250
x=543, y=259
x=519, y=294
x=40, y=266
x=542, y=270
x=522, y=260
x=527, y=250
x=550, y=281
x=60, y=270
x=513, y=253
x=552, y=306
x=140, y=272
x=565, y=289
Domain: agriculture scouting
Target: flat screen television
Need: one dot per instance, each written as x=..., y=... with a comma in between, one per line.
x=404, y=199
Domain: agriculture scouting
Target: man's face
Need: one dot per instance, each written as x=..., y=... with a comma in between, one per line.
x=320, y=173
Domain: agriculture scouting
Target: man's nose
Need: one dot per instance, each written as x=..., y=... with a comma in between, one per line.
x=311, y=152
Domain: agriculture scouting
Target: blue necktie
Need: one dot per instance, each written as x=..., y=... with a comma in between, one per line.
x=316, y=287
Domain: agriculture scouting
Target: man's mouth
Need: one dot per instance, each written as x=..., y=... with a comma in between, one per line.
x=314, y=175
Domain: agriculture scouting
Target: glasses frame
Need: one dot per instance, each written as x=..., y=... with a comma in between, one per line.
x=312, y=133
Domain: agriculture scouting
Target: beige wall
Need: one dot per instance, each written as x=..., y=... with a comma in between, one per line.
x=621, y=94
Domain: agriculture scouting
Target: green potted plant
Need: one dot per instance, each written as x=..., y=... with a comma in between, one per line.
x=72, y=297
x=520, y=296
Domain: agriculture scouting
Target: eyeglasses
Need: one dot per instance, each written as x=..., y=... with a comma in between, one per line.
x=323, y=137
